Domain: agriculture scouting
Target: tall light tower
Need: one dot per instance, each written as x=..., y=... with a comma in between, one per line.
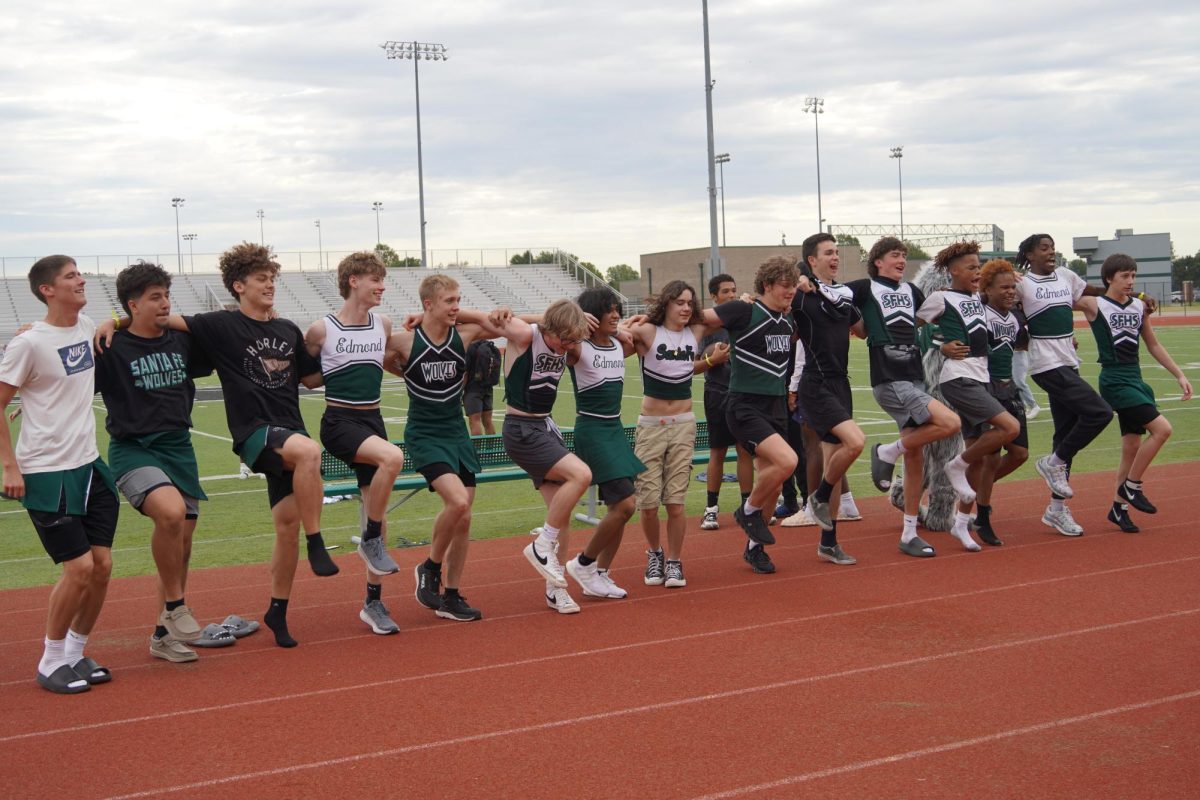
x=415, y=51
x=816, y=107
x=898, y=153
x=377, y=206
x=320, y=246
x=723, y=159
x=176, y=202
x=262, y=239
x=714, y=255
x=191, y=237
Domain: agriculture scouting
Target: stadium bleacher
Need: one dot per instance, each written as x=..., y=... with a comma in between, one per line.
x=305, y=296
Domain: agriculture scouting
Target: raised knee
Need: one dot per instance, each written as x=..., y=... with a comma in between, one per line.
x=394, y=462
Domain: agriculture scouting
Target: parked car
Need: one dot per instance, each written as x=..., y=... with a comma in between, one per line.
x=1176, y=297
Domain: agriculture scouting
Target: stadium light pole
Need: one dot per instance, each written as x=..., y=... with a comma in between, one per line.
x=262, y=239
x=191, y=237
x=722, y=160
x=176, y=202
x=898, y=153
x=714, y=255
x=816, y=107
x=320, y=246
x=415, y=51
x=377, y=205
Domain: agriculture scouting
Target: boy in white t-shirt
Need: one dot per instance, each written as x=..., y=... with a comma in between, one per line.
x=56, y=470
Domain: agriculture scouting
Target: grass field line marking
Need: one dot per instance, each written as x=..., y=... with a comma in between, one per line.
x=947, y=747
x=709, y=697
x=633, y=646
x=208, y=435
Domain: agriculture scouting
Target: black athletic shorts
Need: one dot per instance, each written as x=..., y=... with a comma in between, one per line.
x=66, y=537
x=1134, y=419
x=719, y=435
x=1009, y=397
x=754, y=418
x=343, y=430
x=827, y=403
x=270, y=463
x=431, y=472
x=616, y=490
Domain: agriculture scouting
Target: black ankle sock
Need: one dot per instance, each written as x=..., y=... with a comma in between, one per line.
x=745, y=496
x=983, y=514
x=160, y=632
x=823, y=492
x=174, y=604
x=276, y=620
x=713, y=499
x=318, y=556
x=829, y=538
x=374, y=530
x=584, y=561
x=450, y=592
x=1118, y=507
x=432, y=565
x=374, y=591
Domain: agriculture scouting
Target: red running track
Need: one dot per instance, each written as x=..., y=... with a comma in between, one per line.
x=1050, y=667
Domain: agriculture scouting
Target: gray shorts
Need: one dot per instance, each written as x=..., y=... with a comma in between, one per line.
x=534, y=444
x=477, y=399
x=972, y=400
x=138, y=483
x=906, y=402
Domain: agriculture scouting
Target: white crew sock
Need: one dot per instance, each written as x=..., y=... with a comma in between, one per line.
x=549, y=532
x=910, y=528
x=892, y=451
x=1057, y=504
x=748, y=509
x=73, y=646
x=53, y=657
x=1056, y=461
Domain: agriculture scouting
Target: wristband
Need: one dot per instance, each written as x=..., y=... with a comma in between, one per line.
x=1140, y=295
x=706, y=360
x=116, y=319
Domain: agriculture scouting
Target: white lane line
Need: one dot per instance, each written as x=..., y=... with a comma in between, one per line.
x=910, y=755
x=706, y=698
x=582, y=653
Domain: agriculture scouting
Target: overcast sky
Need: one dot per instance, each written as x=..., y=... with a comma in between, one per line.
x=582, y=126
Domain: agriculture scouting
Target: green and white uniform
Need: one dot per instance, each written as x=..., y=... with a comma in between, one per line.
x=1048, y=302
x=668, y=367
x=1118, y=331
x=437, y=432
x=352, y=361
x=531, y=384
x=960, y=317
x=761, y=351
x=599, y=378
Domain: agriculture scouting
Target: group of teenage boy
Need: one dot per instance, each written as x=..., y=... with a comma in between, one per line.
x=777, y=389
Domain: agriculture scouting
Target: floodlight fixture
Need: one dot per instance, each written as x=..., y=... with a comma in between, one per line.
x=898, y=153
x=176, y=202
x=722, y=159
x=816, y=107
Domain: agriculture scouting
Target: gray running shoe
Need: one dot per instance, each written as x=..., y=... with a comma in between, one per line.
x=375, y=614
x=1062, y=521
x=820, y=512
x=835, y=554
x=1055, y=477
x=374, y=552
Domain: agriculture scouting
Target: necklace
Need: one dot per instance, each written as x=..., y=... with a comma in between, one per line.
x=678, y=343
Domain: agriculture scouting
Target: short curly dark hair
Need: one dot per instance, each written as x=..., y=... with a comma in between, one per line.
x=599, y=300
x=776, y=269
x=243, y=260
x=948, y=255
x=362, y=263
x=134, y=280
x=880, y=249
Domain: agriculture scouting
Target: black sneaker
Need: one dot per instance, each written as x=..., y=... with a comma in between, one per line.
x=754, y=526
x=987, y=535
x=1136, y=499
x=454, y=606
x=429, y=587
x=1121, y=519
x=758, y=560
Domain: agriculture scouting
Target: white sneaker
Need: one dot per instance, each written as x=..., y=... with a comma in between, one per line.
x=709, y=523
x=614, y=591
x=1055, y=476
x=849, y=512
x=558, y=599
x=1032, y=411
x=801, y=519
x=1062, y=521
x=956, y=473
x=588, y=578
x=540, y=553
x=244, y=472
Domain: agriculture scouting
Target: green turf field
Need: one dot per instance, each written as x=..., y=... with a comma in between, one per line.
x=235, y=526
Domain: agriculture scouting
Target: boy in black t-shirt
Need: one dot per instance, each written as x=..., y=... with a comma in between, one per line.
x=145, y=377
x=261, y=361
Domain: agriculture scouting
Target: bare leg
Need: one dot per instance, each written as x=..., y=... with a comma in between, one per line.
x=302, y=456
x=94, y=592
x=286, y=516
x=165, y=507
x=1160, y=430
